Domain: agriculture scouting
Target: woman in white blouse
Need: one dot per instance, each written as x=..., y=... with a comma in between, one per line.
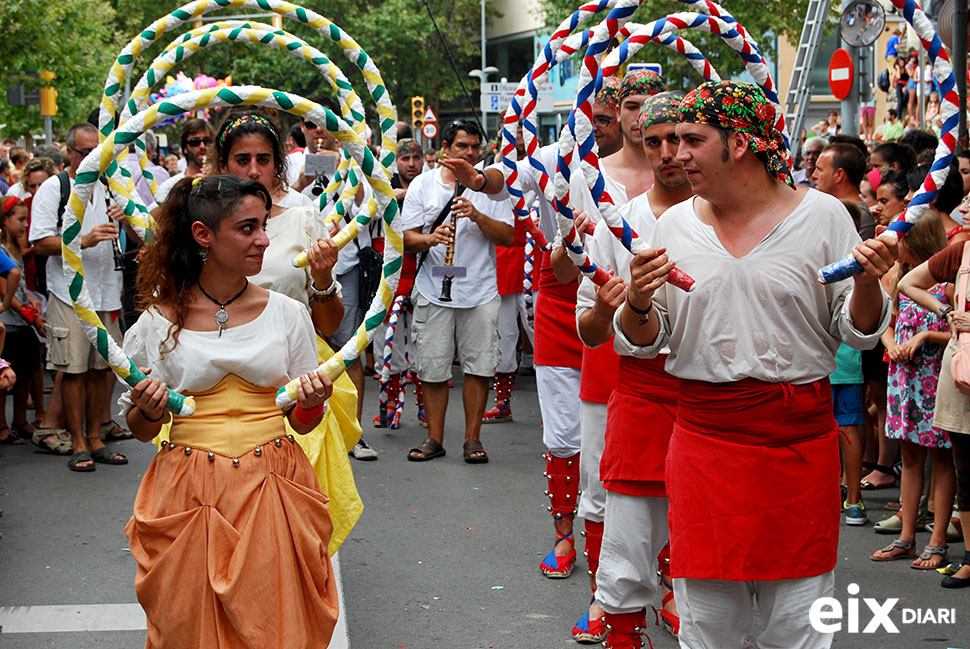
x=229, y=528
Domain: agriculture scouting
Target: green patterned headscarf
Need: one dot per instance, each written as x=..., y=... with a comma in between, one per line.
x=609, y=94
x=660, y=109
x=642, y=82
x=739, y=106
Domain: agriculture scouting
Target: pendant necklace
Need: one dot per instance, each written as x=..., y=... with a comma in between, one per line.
x=221, y=316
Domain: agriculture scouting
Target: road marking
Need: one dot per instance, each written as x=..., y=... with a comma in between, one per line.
x=72, y=619
x=86, y=618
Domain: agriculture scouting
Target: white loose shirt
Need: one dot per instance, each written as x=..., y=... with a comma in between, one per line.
x=100, y=277
x=278, y=345
x=763, y=316
x=290, y=233
x=426, y=197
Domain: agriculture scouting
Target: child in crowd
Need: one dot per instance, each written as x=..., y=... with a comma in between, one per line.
x=19, y=317
x=914, y=344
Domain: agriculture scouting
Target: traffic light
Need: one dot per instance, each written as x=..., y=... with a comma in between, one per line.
x=417, y=113
x=48, y=95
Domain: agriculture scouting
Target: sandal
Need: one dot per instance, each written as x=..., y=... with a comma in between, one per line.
x=588, y=631
x=13, y=438
x=866, y=485
x=105, y=456
x=928, y=553
x=77, y=458
x=898, y=549
x=474, y=452
x=556, y=567
x=111, y=431
x=61, y=444
x=429, y=448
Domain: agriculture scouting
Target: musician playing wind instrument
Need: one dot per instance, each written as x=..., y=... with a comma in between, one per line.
x=470, y=319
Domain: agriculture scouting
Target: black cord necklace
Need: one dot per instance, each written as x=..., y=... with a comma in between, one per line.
x=221, y=316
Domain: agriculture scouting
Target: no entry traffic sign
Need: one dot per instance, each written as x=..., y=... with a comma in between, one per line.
x=841, y=73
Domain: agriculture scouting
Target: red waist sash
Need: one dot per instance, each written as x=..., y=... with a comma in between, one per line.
x=639, y=420
x=753, y=480
x=599, y=373
x=510, y=268
x=556, y=342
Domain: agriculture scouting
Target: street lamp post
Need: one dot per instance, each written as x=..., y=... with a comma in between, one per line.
x=482, y=76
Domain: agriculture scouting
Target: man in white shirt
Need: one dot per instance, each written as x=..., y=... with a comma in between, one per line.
x=85, y=373
x=195, y=140
x=470, y=317
x=753, y=345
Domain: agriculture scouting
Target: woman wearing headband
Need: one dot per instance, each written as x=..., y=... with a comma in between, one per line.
x=230, y=528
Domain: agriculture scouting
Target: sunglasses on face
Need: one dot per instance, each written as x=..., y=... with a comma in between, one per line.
x=310, y=125
x=603, y=120
x=196, y=141
x=84, y=152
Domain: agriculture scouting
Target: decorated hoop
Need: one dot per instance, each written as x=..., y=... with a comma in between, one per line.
x=580, y=121
x=99, y=160
x=950, y=114
x=192, y=11
x=120, y=179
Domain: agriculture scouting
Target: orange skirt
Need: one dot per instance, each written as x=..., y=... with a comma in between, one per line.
x=233, y=556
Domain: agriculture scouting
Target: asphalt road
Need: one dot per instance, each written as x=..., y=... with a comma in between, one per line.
x=445, y=555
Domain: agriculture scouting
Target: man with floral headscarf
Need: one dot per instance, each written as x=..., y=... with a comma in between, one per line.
x=753, y=345
x=640, y=413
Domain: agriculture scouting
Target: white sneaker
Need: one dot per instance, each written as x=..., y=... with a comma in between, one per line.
x=363, y=452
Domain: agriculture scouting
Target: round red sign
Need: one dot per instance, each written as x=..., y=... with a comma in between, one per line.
x=841, y=73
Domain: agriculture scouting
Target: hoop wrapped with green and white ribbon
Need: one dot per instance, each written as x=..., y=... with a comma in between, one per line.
x=99, y=160
x=235, y=31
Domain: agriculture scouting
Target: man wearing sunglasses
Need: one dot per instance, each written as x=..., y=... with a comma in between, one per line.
x=195, y=141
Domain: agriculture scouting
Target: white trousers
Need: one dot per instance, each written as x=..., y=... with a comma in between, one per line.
x=558, y=389
x=716, y=614
x=592, y=423
x=634, y=533
x=508, y=331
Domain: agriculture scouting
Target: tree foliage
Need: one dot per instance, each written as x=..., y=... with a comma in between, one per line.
x=79, y=39
x=72, y=38
x=761, y=18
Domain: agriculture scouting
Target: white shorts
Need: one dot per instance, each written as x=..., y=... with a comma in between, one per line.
x=438, y=330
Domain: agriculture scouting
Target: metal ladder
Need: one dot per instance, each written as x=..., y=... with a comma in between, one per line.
x=800, y=87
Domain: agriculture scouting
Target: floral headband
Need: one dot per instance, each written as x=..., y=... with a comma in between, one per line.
x=739, y=106
x=245, y=118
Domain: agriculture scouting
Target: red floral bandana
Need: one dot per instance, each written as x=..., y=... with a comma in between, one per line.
x=739, y=106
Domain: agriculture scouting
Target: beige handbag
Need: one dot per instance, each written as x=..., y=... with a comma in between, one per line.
x=960, y=363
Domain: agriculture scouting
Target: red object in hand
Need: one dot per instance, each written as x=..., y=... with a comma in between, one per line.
x=680, y=279
x=29, y=313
